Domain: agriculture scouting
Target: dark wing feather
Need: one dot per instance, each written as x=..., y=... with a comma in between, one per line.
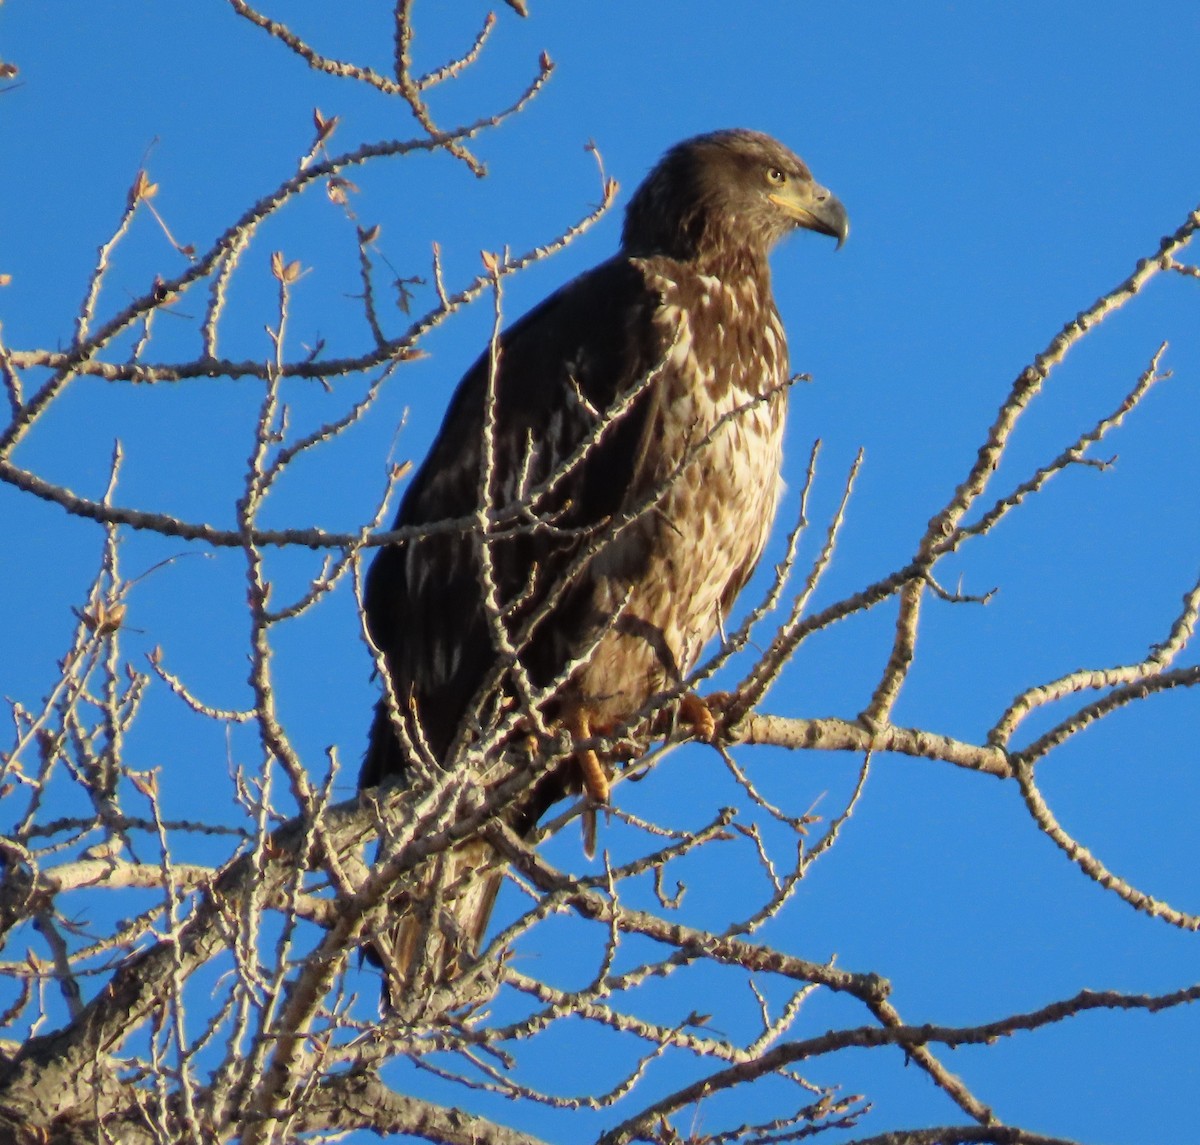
x=561, y=366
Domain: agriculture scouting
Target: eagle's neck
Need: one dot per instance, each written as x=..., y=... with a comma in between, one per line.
x=734, y=265
x=722, y=326
x=730, y=251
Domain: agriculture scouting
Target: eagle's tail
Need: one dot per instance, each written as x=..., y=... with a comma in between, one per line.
x=439, y=923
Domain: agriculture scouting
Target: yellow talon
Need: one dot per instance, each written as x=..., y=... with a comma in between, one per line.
x=595, y=779
x=696, y=711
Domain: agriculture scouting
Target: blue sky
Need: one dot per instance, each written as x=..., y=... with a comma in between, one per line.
x=1003, y=165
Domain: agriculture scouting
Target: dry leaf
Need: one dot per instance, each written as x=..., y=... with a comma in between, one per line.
x=286, y=273
x=142, y=188
x=325, y=127
x=337, y=189
x=104, y=618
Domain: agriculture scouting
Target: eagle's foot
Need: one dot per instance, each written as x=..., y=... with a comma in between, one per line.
x=595, y=779
x=596, y=784
x=702, y=712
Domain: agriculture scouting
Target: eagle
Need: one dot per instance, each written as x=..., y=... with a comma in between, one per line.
x=599, y=492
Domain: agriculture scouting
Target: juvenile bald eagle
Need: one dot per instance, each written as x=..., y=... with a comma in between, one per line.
x=625, y=448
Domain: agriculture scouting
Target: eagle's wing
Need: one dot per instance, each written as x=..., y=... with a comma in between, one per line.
x=562, y=369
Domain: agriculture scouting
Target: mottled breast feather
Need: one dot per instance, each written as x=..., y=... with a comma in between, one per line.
x=706, y=482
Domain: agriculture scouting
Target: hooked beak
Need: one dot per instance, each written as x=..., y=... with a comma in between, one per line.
x=814, y=208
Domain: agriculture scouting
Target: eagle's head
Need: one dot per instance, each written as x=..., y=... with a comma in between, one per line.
x=729, y=193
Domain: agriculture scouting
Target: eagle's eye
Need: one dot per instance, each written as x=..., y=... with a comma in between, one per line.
x=775, y=176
